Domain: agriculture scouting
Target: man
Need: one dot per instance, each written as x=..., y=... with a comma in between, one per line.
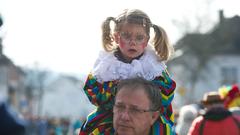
x=136, y=107
x=217, y=120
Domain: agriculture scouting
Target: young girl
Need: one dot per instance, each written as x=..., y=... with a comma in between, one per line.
x=127, y=54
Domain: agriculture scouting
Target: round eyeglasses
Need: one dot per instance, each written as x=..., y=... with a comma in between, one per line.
x=127, y=38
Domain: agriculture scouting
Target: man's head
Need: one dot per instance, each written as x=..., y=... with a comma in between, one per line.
x=212, y=99
x=136, y=107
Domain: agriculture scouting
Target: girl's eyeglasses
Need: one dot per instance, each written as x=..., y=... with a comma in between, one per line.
x=127, y=38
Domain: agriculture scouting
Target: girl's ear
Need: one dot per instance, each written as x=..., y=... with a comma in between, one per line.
x=116, y=37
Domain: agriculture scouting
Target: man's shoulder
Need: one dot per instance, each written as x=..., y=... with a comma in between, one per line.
x=198, y=119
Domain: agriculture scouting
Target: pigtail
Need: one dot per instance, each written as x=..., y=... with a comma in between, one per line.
x=107, y=38
x=161, y=43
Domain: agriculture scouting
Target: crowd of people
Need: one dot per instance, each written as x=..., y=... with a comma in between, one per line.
x=132, y=90
x=13, y=123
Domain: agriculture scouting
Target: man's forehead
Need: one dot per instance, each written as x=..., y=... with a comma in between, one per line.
x=132, y=98
x=132, y=105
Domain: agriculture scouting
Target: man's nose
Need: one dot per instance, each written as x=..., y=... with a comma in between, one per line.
x=125, y=115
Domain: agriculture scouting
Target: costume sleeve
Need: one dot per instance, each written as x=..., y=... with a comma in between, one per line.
x=167, y=87
x=100, y=94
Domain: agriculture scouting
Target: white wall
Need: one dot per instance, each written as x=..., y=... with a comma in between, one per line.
x=210, y=79
x=213, y=75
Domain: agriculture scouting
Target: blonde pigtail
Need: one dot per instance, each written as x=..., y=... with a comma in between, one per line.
x=161, y=43
x=107, y=38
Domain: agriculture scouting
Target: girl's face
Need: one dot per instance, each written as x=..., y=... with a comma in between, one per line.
x=132, y=40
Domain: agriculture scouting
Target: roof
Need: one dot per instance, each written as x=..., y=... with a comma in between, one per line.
x=224, y=38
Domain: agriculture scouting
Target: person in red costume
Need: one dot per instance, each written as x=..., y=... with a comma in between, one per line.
x=217, y=120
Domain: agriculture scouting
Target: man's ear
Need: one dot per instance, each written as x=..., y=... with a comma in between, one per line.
x=116, y=37
x=155, y=116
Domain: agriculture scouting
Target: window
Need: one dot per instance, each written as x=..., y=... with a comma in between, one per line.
x=229, y=75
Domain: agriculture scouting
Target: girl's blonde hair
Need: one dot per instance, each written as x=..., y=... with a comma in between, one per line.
x=160, y=41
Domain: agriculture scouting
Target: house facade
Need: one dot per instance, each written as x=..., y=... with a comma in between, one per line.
x=207, y=61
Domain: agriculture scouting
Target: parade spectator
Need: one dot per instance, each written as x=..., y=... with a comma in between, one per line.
x=217, y=120
x=186, y=116
x=136, y=107
x=10, y=122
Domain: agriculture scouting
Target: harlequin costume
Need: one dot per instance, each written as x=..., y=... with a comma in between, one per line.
x=100, y=89
x=231, y=95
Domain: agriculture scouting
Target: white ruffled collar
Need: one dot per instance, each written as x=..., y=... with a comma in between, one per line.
x=109, y=68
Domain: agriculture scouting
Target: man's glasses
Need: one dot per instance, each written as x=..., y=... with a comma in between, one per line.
x=127, y=38
x=132, y=111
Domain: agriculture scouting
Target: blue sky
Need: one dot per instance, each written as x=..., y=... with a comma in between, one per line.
x=64, y=35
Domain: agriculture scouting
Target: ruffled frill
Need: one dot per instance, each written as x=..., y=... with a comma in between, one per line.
x=108, y=67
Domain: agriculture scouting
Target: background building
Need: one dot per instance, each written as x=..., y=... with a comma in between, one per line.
x=204, y=62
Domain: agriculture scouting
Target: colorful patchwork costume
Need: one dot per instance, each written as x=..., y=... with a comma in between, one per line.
x=100, y=89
